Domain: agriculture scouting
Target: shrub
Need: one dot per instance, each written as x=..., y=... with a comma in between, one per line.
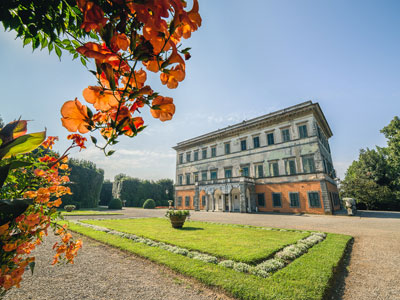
x=69, y=208
x=149, y=203
x=115, y=204
x=173, y=212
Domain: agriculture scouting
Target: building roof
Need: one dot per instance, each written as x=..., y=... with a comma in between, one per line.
x=246, y=124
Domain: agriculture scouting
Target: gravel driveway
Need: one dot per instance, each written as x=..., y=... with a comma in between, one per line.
x=101, y=272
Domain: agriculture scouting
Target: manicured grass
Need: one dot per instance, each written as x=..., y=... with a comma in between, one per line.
x=88, y=213
x=247, y=245
x=307, y=277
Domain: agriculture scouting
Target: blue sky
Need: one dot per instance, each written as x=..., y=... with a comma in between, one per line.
x=248, y=59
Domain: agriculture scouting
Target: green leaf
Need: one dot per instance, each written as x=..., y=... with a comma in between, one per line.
x=83, y=61
x=58, y=51
x=10, y=209
x=94, y=140
x=22, y=144
x=111, y=152
x=32, y=266
x=4, y=170
x=50, y=47
x=26, y=41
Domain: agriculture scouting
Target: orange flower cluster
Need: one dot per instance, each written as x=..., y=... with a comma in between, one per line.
x=19, y=237
x=146, y=33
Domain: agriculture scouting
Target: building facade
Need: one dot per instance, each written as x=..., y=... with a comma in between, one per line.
x=279, y=162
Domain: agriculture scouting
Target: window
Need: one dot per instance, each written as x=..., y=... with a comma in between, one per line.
x=187, y=178
x=274, y=168
x=180, y=179
x=213, y=151
x=256, y=142
x=285, y=135
x=290, y=166
x=308, y=164
x=214, y=174
x=196, y=155
x=227, y=148
x=179, y=201
x=187, y=201
x=181, y=158
x=196, y=177
x=270, y=139
x=204, y=175
x=336, y=199
x=294, y=199
x=303, y=131
x=203, y=200
x=245, y=171
x=313, y=199
x=261, y=199
x=243, y=145
x=204, y=154
x=276, y=200
x=188, y=156
x=228, y=173
x=260, y=171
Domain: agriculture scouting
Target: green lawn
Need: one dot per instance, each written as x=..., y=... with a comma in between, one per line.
x=308, y=277
x=247, y=245
x=88, y=213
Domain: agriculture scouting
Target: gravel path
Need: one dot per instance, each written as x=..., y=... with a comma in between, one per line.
x=101, y=272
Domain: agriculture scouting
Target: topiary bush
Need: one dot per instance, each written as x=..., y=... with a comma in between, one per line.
x=115, y=204
x=149, y=203
x=69, y=208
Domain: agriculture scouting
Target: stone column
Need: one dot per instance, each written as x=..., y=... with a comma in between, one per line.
x=207, y=202
x=242, y=188
x=223, y=202
x=230, y=201
x=212, y=202
x=196, y=199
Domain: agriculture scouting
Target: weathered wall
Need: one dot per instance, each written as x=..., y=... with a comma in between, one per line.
x=301, y=187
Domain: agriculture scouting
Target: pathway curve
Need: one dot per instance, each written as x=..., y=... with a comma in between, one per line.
x=105, y=273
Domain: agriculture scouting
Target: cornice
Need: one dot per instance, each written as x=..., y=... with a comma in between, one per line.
x=261, y=122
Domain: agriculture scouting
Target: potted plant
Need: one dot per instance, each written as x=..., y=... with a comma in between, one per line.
x=69, y=208
x=177, y=217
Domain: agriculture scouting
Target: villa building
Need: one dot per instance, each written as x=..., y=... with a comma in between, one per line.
x=278, y=162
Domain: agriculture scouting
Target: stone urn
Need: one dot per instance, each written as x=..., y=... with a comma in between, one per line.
x=177, y=221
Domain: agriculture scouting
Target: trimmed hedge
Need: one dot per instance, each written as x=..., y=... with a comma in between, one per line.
x=149, y=203
x=135, y=191
x=115, y=204
x=106, y=192
x=85, y=183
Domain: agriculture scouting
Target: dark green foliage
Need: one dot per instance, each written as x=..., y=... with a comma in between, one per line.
x=44, y=23
x=149, y=203
x=106, y=192
x=86, y=181
x=373, y=179
x=115, y=204
x=135, y=191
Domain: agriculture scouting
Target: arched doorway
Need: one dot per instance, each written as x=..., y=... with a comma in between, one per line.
x=218, y=200
x=235, y=199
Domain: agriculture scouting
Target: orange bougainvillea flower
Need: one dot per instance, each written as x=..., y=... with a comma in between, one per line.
x=3, y=228
x=136, y=81
x=49, y=142
x=100, y=98
x=134, y=122
x=10, y=247
x=153, y=65
x=99, y=53
x=164, y=108
x=93, y=16
x=78, y=140
x=64, y=167
x=119, y=41
x=75, y=117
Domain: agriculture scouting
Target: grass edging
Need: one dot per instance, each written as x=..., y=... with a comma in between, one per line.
x=308, y=277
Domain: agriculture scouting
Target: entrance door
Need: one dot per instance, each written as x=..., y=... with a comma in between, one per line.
x=236, y=203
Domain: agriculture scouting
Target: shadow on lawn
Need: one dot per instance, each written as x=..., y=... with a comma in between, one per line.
x=190, y=228
x=336, y=290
